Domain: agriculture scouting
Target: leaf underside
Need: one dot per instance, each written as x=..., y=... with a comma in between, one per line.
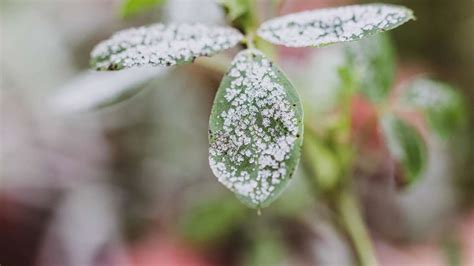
x=326, y=26
x=162, y=45
x=405, y=145
x=94, y=90
x=256, y=129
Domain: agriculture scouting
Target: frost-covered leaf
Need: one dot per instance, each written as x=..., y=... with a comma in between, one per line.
x=162, y=45
x=325, y=26
x=441, y=103
x=405, y=145
x=255, y=129
x=373, y=65
x=133, y=7
x=92, y=90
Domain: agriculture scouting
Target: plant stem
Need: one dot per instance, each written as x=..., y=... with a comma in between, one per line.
x=354, y=226
x=250, y=42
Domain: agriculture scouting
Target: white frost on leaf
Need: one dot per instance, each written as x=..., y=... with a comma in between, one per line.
x=162, y=45
x=425, y=93
x=255, y=129
x=341, y=24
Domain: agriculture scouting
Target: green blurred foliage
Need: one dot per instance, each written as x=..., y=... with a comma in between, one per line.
x=235, y=8
x=132, y=8
x=267, y=248
x=442, y=39
x=406, y=145
x=240, y=13
x=373, y=61
x=323, y=162
x=326, y=159
x=441, y=104
x=213, y=220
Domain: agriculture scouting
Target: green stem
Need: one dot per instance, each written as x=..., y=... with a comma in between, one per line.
x=250, y=42
x=354, y=226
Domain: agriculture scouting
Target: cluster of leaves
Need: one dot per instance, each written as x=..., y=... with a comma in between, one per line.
x=256, y=123
x=367, y=70
x=373, y=67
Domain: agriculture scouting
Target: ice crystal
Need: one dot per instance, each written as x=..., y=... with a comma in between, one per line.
x=255, y=129
x=331, y=25
x=161, y=44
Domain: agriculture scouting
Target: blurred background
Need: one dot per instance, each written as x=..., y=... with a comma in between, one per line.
x=129, y=183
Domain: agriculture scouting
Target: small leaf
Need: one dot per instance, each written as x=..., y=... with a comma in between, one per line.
x=326, y=26
x=236, y=8
x=442, y=104
x=133, y=7
x=373, y=64
x=405, y=145
x=239, y=13
x=256, y=129
x=162, y=45
x=93, y=90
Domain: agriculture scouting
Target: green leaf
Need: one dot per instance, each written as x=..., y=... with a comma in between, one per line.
x=212, y=221
x=255, y=129
x=373, y=64
x=332, y=25
x=132, y=7
x=405, y=145
x=236, y=8
x=240, y=13
x=162, y=45
x=442, y=105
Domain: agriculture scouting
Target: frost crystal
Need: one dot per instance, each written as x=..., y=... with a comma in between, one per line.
x=160, y=44
x=326, y=26
x=255, y=129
